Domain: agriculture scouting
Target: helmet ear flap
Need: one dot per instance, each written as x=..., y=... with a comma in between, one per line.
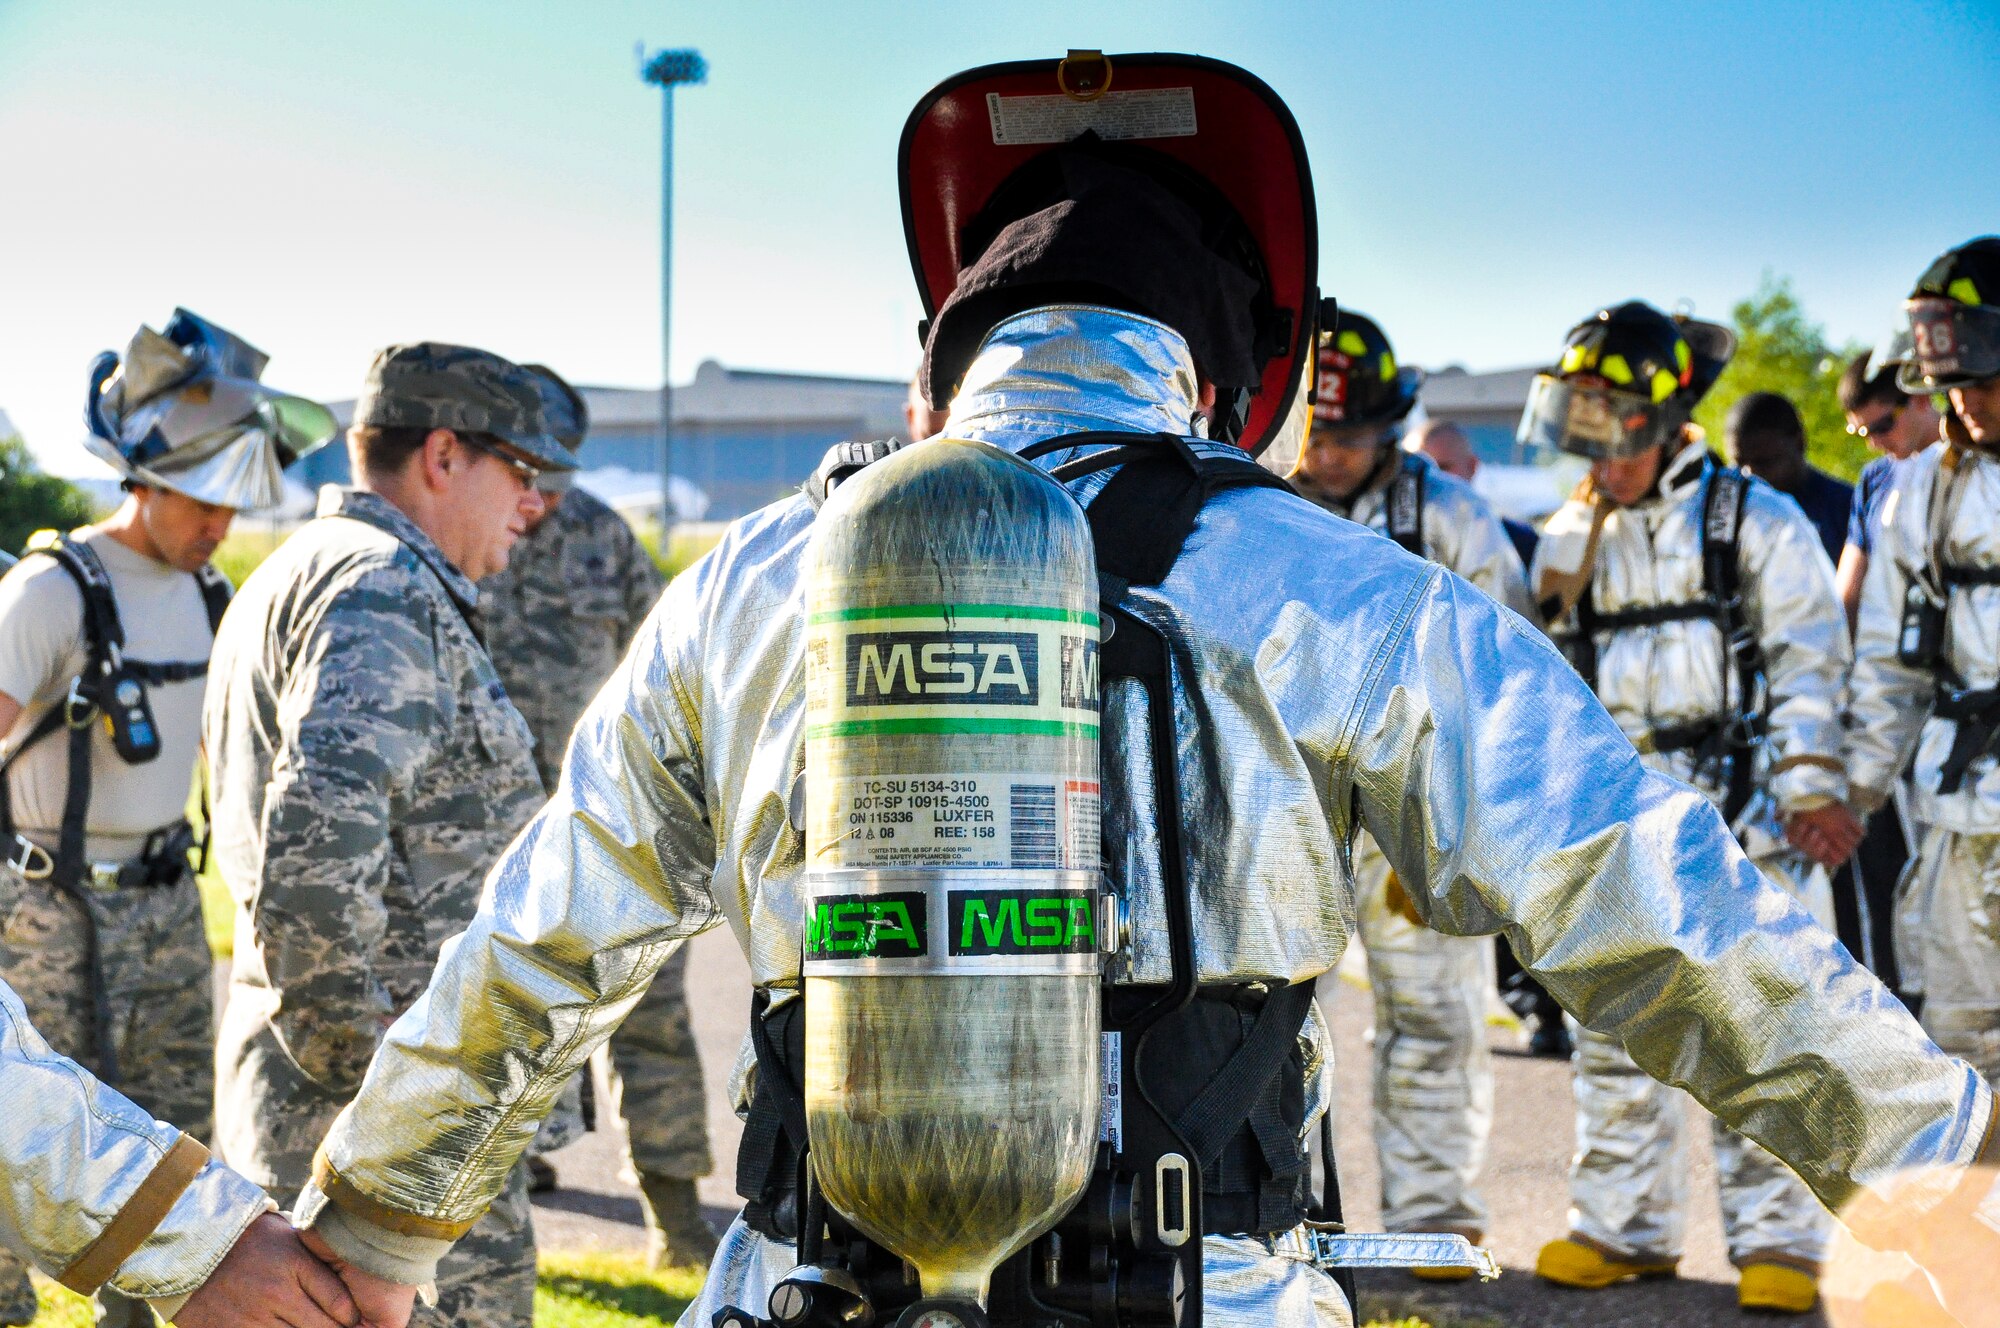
x=1713, y=346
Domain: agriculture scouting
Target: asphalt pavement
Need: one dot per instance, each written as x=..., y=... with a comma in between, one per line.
x=1525, y=1181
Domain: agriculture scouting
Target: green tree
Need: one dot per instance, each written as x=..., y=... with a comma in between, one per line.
x=32, y=501
x=1779, y=349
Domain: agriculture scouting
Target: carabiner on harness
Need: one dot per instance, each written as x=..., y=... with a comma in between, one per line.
x=78, y=710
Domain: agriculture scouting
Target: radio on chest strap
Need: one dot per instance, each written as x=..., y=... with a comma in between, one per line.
x=1210, y=1080
x=1726, y=742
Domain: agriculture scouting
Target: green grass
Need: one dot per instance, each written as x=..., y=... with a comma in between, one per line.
x=573, y=1291
x=687, y=546
x=616, y=1291
x=609, y=1291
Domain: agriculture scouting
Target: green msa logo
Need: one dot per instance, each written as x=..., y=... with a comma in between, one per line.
x=1023, y=922
x=887, y=926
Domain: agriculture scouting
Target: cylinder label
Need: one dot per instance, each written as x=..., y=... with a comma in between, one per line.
x=952, y=668
x=889, y=922
x=961, y=820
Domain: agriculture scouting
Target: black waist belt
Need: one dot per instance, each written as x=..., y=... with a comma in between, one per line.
x=160, y=862
x=1653, y=615
x=1686, y=737
x=1960, y=574
x=1976, y=712
x=1722, y=744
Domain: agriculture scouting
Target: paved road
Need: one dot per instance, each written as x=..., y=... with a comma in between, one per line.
x=1525, y=1181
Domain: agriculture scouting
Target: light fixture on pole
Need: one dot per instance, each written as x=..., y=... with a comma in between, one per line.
x=668, y=69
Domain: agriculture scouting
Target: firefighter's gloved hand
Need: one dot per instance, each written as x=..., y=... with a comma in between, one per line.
x=1827, y=834
x=1399, y=902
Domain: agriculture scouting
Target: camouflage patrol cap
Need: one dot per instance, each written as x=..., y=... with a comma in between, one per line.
x=431, y=385
x=566, y=416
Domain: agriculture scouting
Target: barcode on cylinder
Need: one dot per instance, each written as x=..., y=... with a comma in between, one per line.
x=1031, y=820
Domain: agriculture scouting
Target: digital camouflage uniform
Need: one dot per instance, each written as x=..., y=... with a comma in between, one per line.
x=370, y=769
x=558, y=620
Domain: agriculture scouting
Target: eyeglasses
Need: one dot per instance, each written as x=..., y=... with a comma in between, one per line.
x=525, y=472
x=1881, y=424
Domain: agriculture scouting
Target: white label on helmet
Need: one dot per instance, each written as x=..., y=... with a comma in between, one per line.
x=1142, y=113
x=963, y=820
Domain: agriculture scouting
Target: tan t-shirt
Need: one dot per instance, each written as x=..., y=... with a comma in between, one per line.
x=41, y=650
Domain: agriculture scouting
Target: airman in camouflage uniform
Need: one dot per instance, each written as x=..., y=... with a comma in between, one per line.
x=370, y=769
x=558, y=619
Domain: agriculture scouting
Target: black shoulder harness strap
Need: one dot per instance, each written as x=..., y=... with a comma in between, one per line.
x=1974, y=712
x=1723, y=503
x=1406, y=506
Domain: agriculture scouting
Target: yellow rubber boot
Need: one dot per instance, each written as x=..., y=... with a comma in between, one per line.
x=1572, y=1263
x=1777, y=1288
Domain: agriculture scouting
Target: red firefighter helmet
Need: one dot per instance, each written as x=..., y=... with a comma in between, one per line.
x=992, y=146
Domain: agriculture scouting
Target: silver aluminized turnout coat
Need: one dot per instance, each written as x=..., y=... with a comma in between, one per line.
x=1671, y=674
x=1953, y=899
x=1356, y=678
x=1891, y=702
x=92, y=1189
x=1625, y=1188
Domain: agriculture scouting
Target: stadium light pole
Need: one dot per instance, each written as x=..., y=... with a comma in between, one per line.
x=668, y=70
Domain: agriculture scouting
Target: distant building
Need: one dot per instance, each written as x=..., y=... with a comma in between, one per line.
x=1488, y=406
x=742, y=437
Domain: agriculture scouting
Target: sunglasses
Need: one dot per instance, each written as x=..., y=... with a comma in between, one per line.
x=523, y=471
x=1881, y=424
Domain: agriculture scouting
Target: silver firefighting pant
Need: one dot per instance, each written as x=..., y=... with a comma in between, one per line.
x=1952, y=905
x=1433, y=1081
x=1628, y=1181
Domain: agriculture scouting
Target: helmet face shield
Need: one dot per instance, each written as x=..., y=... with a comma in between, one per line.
x=1951, y=344
x=1595, y=421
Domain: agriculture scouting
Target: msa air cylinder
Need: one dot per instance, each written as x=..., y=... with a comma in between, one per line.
x=955, y=929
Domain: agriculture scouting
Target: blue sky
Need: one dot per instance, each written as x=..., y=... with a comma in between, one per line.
x=328, y=178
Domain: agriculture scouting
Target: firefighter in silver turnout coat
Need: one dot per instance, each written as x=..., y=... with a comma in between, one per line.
x=1623, y=576
x=1433, y=1078
x=1360, y=678
x=1940, y=537
x=1312, y=696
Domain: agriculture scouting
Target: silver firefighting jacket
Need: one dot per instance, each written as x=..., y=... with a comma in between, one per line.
x=1890, y=702
x=1459, y=531
x=1663, y=676
x=92, y=1189
x=1322, y=672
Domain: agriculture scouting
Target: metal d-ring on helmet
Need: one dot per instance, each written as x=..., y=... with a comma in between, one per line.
x=1628, y=379
x=1359, y=385
x=183, y=410
x=1954, y=317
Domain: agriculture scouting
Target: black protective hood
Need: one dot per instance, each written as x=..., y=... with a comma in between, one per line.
x=1172, y=186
